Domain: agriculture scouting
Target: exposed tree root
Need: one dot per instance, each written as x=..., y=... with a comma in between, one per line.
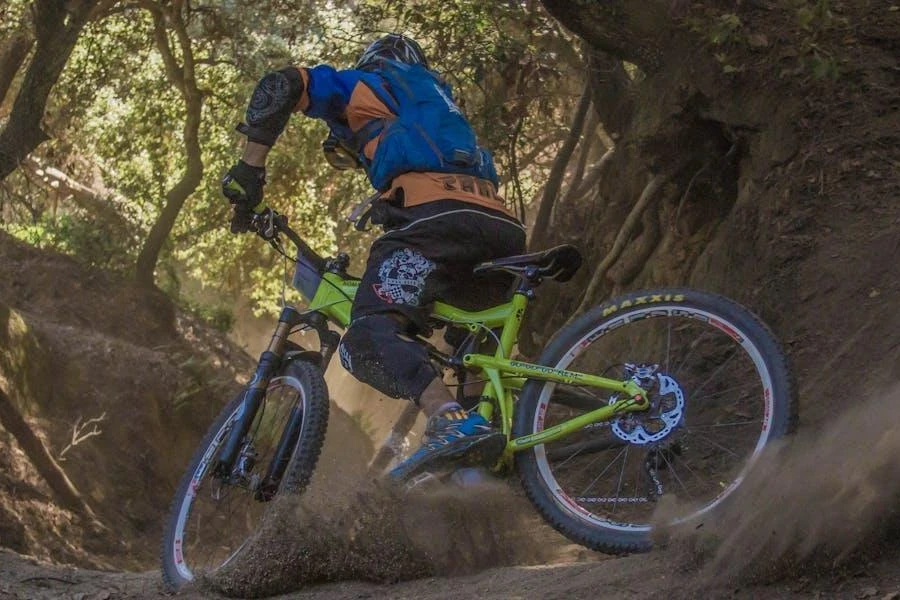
x=621, y=239
x=624, y=272
x=59, y=483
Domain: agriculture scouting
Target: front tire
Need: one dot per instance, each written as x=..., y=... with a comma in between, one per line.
x=721, y=392
x=211, y=521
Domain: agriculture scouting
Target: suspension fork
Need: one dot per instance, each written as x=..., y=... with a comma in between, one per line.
x=270, y=362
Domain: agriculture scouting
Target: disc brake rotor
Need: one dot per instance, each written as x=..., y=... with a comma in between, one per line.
x=664, y=415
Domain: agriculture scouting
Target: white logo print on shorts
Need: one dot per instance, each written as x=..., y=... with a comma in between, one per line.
x=402, y=277
x=346, y=361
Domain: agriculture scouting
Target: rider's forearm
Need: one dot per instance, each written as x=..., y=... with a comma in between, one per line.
x=255, y=154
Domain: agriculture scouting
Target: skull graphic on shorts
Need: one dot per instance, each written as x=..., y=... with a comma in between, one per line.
x=402, y=277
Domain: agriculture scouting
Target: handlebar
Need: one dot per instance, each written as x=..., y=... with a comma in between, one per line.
x=268, y=224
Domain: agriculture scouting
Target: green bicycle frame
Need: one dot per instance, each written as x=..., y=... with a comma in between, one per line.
x=333, y=298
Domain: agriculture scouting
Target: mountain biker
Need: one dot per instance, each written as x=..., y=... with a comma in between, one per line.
x=438, y=207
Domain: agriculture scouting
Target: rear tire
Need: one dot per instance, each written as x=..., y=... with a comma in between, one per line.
x=204, y=530
x=598, y=486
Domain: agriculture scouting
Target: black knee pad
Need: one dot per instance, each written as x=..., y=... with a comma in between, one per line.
x=372, y=351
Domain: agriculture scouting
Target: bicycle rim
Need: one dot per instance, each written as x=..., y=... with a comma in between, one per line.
x=218, y=519
x=711, y=416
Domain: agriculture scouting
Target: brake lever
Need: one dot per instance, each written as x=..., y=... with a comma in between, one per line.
x=265, y=226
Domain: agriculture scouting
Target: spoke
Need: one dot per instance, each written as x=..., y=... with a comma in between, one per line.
x=694, y=347
x=587, y=446
x=621, y=475
x=714, y=373
x=728, y=391
x=716, y=444
x=576, y=453
x=675, y=475
x=602, y=473
x=684, y=461
x=734, y=424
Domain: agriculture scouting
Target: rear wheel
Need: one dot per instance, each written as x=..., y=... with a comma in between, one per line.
x=720, y=390
x=212, y=518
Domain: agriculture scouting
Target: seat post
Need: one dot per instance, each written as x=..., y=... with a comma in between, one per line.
x=528, y=280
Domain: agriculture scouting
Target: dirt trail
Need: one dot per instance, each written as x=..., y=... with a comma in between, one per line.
x=816, y=520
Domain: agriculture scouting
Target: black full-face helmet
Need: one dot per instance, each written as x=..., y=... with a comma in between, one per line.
x=393, y=46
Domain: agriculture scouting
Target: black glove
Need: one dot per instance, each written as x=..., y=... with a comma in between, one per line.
x=243, y=185
x=241, y=219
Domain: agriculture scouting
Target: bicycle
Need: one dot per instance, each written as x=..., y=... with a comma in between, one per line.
x=668, y=392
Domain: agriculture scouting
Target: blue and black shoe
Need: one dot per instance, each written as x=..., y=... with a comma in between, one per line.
x=453, y=438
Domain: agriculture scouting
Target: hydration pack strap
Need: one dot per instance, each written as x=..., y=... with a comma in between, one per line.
x=366, y=133
x=361, y=213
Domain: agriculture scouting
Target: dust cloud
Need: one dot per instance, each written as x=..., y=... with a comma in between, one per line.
x=815, y=500
x=348, y=526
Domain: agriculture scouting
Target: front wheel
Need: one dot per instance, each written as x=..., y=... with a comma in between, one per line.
x=720, y=391
x=213, y=517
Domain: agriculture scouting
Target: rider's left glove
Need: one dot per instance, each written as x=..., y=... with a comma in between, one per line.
x=243, y=186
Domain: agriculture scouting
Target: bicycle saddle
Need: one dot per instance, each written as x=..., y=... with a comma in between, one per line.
x=558, y=263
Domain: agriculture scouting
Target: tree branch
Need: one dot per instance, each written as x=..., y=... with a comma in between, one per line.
x=593, y=177
x=57, y=27
x=86, y=197
x=634, y=30
x=81, y=433
x=161, y=37
x=12, y=55
x=587, y=145
x=184, y=80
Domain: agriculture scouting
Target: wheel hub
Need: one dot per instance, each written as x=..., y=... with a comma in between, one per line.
x=665, y=414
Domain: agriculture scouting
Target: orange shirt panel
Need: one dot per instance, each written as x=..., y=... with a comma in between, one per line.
x=364, y=106
x=303, y=103
x=419, y=188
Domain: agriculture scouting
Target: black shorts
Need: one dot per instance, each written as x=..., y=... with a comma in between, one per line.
x=427, y=253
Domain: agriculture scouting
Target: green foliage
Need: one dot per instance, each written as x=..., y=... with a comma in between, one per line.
x=13, y=16
x=725, y=29
x=77, y=235
x=220, y=317
x=815, y=20
x=717, y=29
x=725, y=32
x=816, y=17
x=824, y=66
x=116, y=122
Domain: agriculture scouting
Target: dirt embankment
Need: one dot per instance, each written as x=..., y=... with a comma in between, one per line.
x=117, y=386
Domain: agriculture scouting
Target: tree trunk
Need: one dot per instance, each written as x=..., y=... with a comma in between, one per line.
x=56, y=30
x=613, y=103
x=182, y=77
x=558, y=171
x=55, y=181
x=12, y=55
